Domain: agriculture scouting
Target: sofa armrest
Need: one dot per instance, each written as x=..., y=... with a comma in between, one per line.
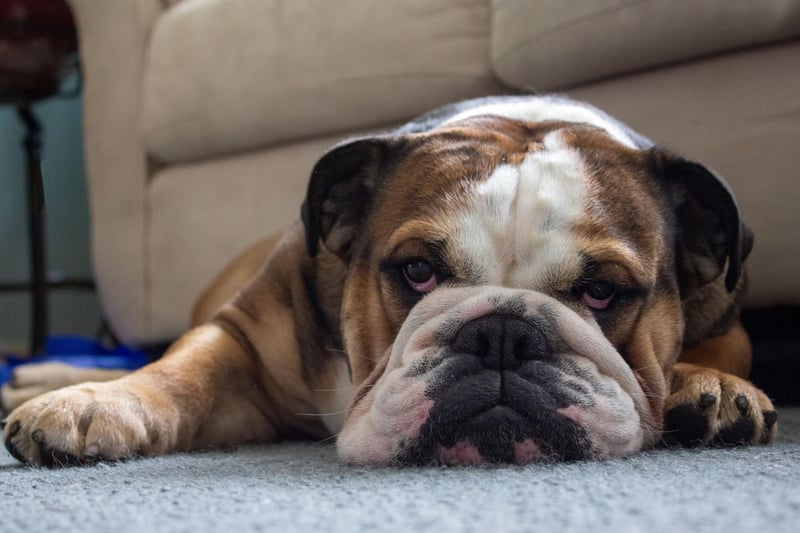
x=113, y=36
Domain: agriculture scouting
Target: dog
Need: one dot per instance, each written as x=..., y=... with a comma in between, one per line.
x=503, y=280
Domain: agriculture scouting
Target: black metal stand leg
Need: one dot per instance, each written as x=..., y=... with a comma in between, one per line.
x=36, y=229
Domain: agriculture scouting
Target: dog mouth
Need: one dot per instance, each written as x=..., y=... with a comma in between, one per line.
x=497, y=417
x=497, y=375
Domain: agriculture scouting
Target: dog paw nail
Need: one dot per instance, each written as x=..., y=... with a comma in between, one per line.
x=770, y=417
x=93, y=450
x=14, y=429
x=742, y=402
x=707, y=399
x=38, y=436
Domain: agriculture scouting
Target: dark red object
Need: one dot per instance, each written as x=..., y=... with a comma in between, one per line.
x=37, y=41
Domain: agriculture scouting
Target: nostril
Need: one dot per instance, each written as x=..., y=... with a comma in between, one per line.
x=522, y=348
x=480, y=337
x=529, y=345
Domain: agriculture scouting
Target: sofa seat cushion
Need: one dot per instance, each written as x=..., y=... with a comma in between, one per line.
x=222, y=77
x=554, y=44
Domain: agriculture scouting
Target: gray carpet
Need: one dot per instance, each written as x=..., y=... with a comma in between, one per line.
x=302, y=487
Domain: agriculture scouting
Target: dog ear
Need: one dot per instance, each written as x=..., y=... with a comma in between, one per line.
x=340, y=192
x=710, y=232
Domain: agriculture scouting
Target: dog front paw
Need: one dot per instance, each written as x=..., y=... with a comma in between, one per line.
x=84, y=424
x=709, y=407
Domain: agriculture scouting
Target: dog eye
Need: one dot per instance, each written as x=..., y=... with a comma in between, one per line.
x=420, y=275
x=598, y=295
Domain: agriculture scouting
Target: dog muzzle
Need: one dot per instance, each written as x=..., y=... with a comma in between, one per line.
x=495, y=375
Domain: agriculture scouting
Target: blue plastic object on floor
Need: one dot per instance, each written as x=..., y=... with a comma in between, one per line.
x=79, y=351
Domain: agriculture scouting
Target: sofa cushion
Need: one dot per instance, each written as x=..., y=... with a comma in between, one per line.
x=553, y=44
x=223, y=77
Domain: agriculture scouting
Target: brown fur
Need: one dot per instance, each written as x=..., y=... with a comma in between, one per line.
x=268, y=363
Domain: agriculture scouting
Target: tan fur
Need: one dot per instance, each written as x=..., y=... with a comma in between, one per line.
x=208, y=390
x=730, y=352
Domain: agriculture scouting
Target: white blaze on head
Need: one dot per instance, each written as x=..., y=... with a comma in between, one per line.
x=516, y=231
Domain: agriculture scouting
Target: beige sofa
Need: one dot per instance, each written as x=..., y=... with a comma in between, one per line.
x=203, y=117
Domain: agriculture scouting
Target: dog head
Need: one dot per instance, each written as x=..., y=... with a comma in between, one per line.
x=514, y=289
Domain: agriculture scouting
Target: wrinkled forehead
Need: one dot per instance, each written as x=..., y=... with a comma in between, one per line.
x=518, y=204
x=441, y=170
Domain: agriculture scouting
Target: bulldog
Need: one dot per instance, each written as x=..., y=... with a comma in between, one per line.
x=503, y=280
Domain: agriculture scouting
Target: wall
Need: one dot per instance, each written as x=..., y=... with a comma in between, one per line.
x=71, y=311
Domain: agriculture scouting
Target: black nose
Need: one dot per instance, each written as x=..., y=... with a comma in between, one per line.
x=502, y=342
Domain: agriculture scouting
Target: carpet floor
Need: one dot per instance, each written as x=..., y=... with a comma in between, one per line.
x=301, y=487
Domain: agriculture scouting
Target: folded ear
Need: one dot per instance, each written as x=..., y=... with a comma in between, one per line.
x=340, y=192
x=710, y=232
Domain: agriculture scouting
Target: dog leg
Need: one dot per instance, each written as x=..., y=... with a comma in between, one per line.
x=711, y=402
x=29, y=381
x=207, y=391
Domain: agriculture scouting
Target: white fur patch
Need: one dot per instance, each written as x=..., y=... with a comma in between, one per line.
x=517, y=230
x=543, y=109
